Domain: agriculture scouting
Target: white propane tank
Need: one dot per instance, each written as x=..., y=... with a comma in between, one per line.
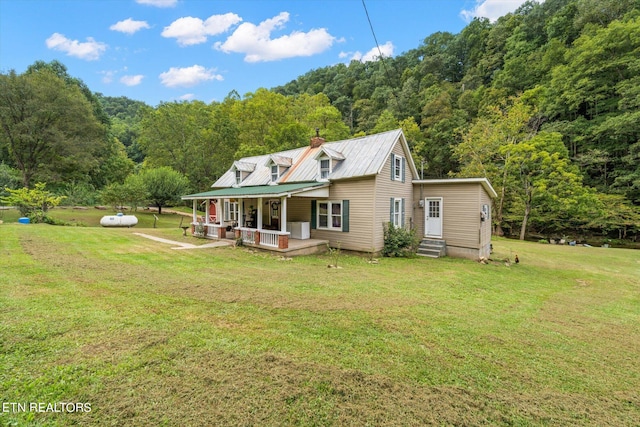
x=118, y=220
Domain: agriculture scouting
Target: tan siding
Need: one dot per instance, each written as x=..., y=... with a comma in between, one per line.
x=461, y=212
x=386, y=189
x=299, y=209
x=485, y=238
x=359, y=193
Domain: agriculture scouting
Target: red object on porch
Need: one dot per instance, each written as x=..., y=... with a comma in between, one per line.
x=212, y=212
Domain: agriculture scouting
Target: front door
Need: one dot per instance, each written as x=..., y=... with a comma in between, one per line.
x=433, y=217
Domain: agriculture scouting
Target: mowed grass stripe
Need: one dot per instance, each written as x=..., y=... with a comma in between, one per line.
x=228, y=336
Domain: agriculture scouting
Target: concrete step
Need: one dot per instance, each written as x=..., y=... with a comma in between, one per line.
x=432, y=248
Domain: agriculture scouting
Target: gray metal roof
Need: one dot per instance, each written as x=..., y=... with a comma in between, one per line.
x=259, y=191
x=357, y=157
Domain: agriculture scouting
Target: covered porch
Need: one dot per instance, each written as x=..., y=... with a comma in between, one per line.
x=258, y=215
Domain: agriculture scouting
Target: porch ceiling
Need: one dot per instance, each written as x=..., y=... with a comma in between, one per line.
x=259, y=191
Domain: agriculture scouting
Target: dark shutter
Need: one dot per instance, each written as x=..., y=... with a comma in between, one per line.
x=403, y=163
x=313, y=214
x=393, y=166
x=391, y=210
x=402, y=214
x=345, y=216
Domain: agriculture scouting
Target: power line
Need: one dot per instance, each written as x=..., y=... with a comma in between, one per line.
x=384, y=64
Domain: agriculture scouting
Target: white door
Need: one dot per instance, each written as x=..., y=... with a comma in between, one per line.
x=433, y=217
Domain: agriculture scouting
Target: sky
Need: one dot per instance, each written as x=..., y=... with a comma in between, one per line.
x=172, y=50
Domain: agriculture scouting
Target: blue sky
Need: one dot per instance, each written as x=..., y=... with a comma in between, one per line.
x=170, y=50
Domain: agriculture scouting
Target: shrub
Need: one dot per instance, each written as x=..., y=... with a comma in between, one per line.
x=33, y=203
x=399, y=242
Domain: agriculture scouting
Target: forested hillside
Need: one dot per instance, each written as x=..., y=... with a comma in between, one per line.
x=545, y=102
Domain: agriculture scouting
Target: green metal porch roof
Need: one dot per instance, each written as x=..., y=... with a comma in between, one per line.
x=258, y=191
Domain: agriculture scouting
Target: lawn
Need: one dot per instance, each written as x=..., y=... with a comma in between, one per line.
x=147, y=335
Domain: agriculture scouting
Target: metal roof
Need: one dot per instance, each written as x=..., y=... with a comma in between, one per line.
x=259, y=191
x=482, y=181
x=357, y=157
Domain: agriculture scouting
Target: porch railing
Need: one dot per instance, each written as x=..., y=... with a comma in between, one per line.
x=212, y=231
x=248, y=235
x=269, y=238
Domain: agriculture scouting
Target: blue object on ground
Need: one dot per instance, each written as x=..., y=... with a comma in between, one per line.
x=24, y=220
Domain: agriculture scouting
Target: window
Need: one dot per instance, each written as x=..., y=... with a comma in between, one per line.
x=274, y=173
x=230, y=211
x=330, y=215
x=325, y=168
x=396, y=214
x=397, y=168
x=238, y=176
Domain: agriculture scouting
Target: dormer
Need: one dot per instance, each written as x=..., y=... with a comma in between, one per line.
x=277, y=165
x=242, y=170
x=327, y=159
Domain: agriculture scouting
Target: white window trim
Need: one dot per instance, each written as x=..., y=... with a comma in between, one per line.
x=397, y=214
x=231, y=211
x=320, y=168
x=277, y=173
x=238, y=176
x=330, y=204
x=397, y=168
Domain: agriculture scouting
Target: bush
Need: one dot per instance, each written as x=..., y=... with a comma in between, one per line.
x=33, y=203
x=399, y=242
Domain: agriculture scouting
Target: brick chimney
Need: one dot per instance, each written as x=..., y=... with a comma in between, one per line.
x=317, y=140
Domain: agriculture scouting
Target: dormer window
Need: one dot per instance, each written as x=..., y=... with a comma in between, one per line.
x=275, y=173
x=242, y=170
x=325, y=168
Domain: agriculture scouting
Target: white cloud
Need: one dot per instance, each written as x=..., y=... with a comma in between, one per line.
x=190, y=31
x=158, y=3
x=187, y=97
x=89, y=50
x=189, y=76
x=129, y=26
x=132, y=80
x=107, y=76
x=492, y=9
x=372, y=55
x=256, y=43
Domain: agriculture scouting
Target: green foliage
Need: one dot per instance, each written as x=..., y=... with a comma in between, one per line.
x=9, y=178
x=164, y=185
x=56, y=136
x=79, y=194
x=399, y=241
x=193, y=138
x=33, y=203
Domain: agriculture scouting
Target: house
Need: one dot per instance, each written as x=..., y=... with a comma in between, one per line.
x=344, y=193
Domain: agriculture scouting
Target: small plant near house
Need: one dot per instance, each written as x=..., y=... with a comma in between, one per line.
x=199, y=229
x=399, y=242
x=334, y=254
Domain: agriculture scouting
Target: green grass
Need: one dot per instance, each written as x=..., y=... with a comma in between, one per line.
x=226, y=336
x=90, y=217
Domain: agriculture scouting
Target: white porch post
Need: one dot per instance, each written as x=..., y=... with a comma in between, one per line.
x=259, y=219
x=206, y=212
x=283, y=214
x=241, y=213
x=221, y=209
x=195, y=212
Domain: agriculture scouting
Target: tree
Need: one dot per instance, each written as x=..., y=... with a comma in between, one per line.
x=193, y=138
x=47, y=127
x=547, y=179
x=164, y=185
x=33, y=203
